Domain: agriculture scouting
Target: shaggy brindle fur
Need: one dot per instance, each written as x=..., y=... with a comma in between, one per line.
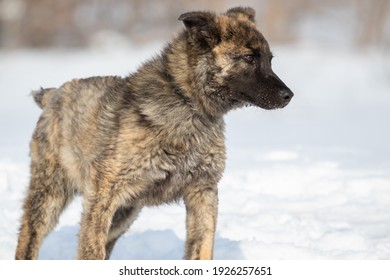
x=156, y=136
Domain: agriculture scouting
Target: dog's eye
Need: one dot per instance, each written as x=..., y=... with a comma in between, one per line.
x=249, y=58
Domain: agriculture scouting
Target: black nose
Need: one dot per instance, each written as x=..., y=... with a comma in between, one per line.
x=286, y=94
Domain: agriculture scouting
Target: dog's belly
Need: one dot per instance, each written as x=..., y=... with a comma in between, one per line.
x=164, y=191
x=148, y=177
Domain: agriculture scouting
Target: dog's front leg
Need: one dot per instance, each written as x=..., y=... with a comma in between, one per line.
x=202, y=207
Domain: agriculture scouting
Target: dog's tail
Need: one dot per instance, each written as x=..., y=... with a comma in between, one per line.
x=42, y=96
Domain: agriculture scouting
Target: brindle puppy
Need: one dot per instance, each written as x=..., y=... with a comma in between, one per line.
x=154, y=137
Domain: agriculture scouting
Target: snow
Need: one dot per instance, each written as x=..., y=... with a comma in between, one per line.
x=311, y=181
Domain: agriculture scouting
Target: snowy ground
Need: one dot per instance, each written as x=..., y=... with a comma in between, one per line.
x=311, y=181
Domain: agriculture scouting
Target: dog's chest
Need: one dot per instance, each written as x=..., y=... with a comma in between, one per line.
x=177, y=163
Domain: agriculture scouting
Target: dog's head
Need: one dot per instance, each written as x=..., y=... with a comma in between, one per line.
x=234, y=59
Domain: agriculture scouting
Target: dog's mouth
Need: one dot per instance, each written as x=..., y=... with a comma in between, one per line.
x=265, y=102
x=268, y=100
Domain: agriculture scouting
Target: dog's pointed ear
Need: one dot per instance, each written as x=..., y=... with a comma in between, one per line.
x=195, y=19
x=202, y=26
x=246, y=12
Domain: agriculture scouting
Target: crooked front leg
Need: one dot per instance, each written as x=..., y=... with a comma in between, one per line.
x=202, y=207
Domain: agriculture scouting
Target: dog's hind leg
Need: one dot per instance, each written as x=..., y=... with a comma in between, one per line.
x=201, y=206
x=47, y=196
x=100, y=207
x=121, y=222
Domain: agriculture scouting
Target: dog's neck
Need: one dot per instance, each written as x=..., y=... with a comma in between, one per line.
x=180, y=69
x=177, y=89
